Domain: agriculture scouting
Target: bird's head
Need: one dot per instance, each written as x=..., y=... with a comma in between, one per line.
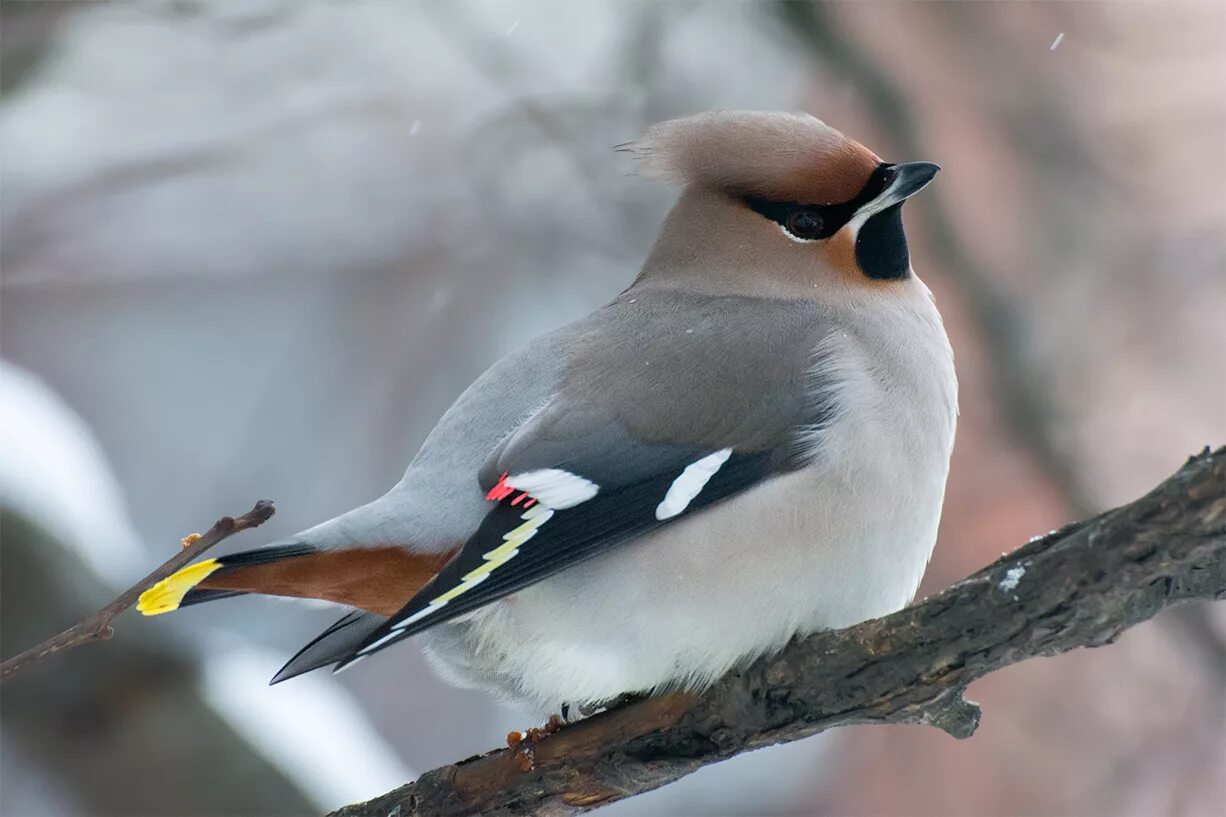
x=779, y=203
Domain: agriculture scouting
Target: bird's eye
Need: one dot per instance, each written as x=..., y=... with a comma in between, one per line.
x=804, y=224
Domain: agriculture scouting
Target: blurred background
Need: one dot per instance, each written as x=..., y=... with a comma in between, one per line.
x=254, y=249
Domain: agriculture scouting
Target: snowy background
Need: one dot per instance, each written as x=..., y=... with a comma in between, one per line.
x=254, y=249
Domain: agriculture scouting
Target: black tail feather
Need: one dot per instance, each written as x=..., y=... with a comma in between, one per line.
x=274, y=553
x=198, y=596
x=333, y=644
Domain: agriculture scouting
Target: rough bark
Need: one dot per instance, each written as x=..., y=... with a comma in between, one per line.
x=1080, y=586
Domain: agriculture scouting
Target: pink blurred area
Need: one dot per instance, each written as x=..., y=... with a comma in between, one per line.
x=255, y=249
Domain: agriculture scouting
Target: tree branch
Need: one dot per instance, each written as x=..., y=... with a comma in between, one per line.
x=98, y=626
x=1080, y=586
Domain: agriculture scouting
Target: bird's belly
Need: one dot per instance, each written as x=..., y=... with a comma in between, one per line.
x=822, y=547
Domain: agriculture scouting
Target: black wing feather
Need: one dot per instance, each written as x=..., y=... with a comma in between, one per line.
x=569, y=537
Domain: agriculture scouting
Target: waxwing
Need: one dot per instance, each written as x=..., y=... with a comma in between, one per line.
x=750, y=443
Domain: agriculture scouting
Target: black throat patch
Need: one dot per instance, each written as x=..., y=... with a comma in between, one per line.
x=881, y=246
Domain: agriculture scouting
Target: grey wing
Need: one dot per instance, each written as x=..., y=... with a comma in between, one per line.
x=663, y=409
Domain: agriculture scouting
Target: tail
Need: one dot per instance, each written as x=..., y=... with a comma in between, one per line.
x=337, y=642
x=378, y=580
x=192, y=584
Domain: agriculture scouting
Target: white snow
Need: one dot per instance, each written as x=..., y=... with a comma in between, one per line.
x=1012, y=576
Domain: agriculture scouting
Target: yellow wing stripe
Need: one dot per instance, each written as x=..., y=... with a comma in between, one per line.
x=167, y=594
x=499, y=556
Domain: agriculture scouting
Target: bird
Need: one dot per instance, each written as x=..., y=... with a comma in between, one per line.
x=747, y=445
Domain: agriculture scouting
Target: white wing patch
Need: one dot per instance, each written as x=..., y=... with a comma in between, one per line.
x=690, y=484
x=554, y=488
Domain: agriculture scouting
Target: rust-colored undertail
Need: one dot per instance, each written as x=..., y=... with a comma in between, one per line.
x=379, y=580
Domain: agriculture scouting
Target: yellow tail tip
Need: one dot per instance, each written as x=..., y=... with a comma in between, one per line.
x=167, y=594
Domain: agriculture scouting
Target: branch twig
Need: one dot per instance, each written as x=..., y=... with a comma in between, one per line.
x=1080, y=586
x=98, y=626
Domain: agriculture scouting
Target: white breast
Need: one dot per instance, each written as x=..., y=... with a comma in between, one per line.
x=844, y=539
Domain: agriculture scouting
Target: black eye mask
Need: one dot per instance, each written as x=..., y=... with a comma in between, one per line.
x=881, y=246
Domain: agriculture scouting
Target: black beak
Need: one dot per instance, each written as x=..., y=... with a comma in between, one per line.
x=910, y=178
